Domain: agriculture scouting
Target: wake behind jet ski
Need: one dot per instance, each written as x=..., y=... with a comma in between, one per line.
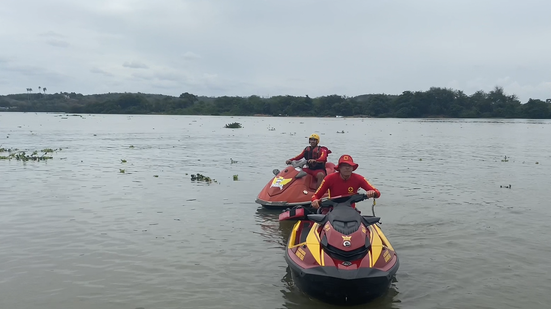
x=340, y=257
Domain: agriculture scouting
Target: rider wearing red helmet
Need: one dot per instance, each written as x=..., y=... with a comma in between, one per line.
x=344, y=182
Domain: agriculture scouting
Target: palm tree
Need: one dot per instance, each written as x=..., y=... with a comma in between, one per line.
x=44, y=90
x=29, y=90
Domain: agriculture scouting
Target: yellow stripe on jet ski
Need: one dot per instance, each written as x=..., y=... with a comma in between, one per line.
x=293, y=236
x=313, y=243
x=371, y=241
x=370, y=260
x=376, y=245
x=383, y=237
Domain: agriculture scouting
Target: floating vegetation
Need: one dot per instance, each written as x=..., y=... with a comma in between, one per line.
x=199, y=177
x=155, y=175
x=232, y=161
x=235, y=177
x=123, y=161
x=122, y=171
x=233, y=125
x=505, y=159
x=131, y=146
x=23, y=156
x=340, y=131
x=506, y=187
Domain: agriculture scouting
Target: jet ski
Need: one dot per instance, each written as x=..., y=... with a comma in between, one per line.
x=338, y=255
x=290, y=187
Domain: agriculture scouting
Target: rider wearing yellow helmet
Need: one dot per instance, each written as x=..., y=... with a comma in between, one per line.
x=316, y=156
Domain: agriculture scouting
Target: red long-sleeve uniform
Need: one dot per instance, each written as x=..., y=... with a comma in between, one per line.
x=321, y=159
x=338, y=186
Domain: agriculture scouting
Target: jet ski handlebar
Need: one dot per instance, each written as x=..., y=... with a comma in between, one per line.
x=343, y=199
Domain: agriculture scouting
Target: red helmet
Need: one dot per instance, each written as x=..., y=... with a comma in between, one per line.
x=347, y=160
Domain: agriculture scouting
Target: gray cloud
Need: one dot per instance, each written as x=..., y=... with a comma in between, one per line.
x=245, y=47
x=134, y=65
x=52, y=34
x=57, y=43
x=102, y=72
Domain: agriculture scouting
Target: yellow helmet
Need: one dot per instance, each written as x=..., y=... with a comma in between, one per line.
x=315, y=136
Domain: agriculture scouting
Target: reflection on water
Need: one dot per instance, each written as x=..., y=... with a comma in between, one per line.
x=273, y=230
x=295, y=299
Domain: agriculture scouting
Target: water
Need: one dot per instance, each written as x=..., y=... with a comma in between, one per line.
x=75, y=232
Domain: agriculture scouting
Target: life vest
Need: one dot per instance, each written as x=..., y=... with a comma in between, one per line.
x=315, y=153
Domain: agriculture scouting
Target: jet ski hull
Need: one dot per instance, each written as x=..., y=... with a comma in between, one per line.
x=342, y=287
x=290, y=187
x=339, y=257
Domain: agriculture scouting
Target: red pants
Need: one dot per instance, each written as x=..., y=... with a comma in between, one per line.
x=314, y=172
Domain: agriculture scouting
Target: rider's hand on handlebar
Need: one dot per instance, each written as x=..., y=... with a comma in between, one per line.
x=288, y=162
x=370, y=193
x=316, y=204
x=311, y=161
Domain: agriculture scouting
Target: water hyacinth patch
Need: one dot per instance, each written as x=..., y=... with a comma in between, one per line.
x=23, y=156
x=203, y=178
x=233, y=125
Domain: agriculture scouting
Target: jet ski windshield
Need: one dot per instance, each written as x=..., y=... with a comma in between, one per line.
x=345, y=219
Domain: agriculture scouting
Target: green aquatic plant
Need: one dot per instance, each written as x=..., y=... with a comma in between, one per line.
x=23, y=156
x=203, y=178
x=233, y=125
x=505, y=159
x=235, y=177
x=123, y=161
x=122, y=171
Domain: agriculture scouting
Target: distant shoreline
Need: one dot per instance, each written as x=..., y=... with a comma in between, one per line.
x=435, y=103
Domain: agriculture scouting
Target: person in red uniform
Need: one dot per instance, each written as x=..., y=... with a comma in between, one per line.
x=344, y=182
x=316, y=156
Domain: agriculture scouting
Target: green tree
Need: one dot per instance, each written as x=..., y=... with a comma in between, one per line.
x=536, y=109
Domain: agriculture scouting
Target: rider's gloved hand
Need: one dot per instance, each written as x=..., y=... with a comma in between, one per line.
x=370, y=193
x=316, y=204
x=288, y=162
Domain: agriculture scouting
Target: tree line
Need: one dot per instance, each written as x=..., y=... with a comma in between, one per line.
x=435, y=102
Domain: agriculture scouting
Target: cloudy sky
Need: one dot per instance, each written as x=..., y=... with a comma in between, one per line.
x=275, y=47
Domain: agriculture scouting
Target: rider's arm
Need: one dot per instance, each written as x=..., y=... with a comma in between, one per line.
x=364, y=184
x=321, y=190
x=300, y=156
x=323, y=156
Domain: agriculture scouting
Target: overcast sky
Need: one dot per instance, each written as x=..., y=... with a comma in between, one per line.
x=275, y=47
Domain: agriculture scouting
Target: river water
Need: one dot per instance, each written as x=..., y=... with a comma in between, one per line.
x=76, y=232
